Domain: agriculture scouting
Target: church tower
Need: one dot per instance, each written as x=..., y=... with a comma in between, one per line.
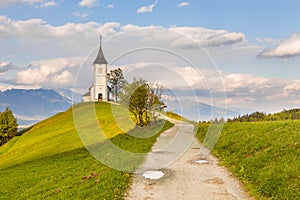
x=100, y=92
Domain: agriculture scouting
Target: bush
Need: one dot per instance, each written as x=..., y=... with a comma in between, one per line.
x=8, y=126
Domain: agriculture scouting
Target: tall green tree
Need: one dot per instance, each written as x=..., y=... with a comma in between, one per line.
x=116, y=81
x=8, y=126
x=141, y=99
x=134, y=97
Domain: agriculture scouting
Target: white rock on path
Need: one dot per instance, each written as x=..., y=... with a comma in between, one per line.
x=153, y=174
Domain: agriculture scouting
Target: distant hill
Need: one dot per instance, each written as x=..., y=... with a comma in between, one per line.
x=30, y=106
x=292, y=114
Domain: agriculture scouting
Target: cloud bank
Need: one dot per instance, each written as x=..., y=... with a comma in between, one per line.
x=57, y=72
x=70, y=40
x=6, y=3
x=205, y=37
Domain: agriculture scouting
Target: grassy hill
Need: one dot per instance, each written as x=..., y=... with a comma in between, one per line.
x=292, y=114
x=50, y=161
x=264, y=155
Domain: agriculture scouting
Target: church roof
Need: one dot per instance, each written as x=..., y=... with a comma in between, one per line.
x=87, y=94
x=100, y=57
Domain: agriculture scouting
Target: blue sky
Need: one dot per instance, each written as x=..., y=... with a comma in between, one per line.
x=255, y=45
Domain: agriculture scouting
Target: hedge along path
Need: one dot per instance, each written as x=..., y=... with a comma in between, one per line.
x=183, y=178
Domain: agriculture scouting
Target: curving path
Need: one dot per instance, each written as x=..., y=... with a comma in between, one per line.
x=174, y=154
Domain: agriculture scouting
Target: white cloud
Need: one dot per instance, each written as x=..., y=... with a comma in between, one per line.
x=293, y=86
x=289, y=47
x=6, y=3
x=145, y=9
x=39, y=30
x=110, y=6
x=57, y=72
x=185, y=37
x=88, y=3
x=48, y=4
x=205, y=37
x=182, y=4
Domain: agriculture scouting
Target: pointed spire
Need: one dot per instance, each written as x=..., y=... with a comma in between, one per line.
x=100, y=40
x=100, y=57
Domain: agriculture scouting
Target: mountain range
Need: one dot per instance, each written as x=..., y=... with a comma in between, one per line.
x=31, y=106
x=202, y=111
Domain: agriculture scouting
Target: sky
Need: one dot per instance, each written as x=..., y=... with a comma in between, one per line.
x=244, y=54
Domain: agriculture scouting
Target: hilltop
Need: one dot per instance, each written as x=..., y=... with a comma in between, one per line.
x=50, y=161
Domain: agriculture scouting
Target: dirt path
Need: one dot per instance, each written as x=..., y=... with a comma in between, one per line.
x=183, y=177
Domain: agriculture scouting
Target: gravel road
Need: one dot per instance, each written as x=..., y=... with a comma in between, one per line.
x=175, y=154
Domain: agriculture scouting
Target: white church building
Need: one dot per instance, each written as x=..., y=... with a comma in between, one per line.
x=100, y=90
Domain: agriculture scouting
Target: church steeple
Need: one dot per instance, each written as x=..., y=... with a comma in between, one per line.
x=100, y=57
x=99, y=91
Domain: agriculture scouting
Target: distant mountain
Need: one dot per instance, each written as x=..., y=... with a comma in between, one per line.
x=30, y=106
x=199, y=111
x=71, y=96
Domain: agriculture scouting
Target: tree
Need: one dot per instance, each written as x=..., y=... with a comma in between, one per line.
x=116, y=81
x=154, y=102
x=155, y=92
x=138, y=105
x=8, y=126
x=134, y=97
x=141, y=98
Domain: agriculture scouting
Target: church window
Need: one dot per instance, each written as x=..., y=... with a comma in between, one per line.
x=100, y=71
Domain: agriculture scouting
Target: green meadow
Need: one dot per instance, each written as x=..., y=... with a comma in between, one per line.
x=49, y=161
x=265, y=156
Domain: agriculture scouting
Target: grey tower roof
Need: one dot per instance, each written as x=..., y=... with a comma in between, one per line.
x=100, y=57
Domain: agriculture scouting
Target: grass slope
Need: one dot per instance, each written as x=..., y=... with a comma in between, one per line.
x=176, y=116
x=49, y=161
x=264, y=155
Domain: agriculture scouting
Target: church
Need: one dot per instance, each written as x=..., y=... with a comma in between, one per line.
x=100, y=90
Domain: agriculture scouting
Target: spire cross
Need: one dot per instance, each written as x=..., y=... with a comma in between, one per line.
x=100, y=39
